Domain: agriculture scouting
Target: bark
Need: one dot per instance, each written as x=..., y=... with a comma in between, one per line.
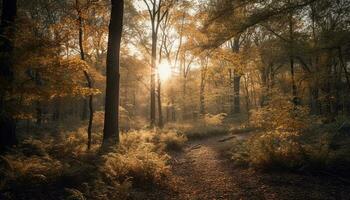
x=160, y=114
x=291, y=56
x=159, y=87
x=111, y=124
x=202, y=98
x=7, y=33
x=236, y=81
x=247, y=100
x=202, y=88
x=184, y=95
x=173, y=110
x=237, y=100
x=87, y=103
x=153, y=77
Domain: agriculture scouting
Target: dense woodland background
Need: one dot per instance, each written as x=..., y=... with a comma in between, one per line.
x=174, y=72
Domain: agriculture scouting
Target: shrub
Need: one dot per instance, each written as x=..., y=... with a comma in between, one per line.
x=214, y=120
x=292, y=139
x=137, y=159
x=275, y=150
x=279, y=145
x=172, y=141
x=281, y=114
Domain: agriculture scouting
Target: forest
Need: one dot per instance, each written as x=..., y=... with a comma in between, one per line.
x=174, y=99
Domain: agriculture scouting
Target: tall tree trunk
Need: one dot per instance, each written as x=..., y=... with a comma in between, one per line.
x=202, y=98
x=111, y=124
x=88, y=80
x=202, y=88
x=173, y=109
x=153, y=79
x=7, y=33
x=236, y=93
x=184, y=95
x=160, y=113
x=236, y=81
x=247, y=99
x=291, y=57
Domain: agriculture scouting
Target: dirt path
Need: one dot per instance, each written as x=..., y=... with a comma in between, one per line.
x=201, y=172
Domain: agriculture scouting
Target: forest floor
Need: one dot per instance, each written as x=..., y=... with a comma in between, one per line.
x=202, y=172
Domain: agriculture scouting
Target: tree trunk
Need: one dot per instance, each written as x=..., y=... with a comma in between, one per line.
x=184, y=94
x=247, y=100
x=153, y=77
x=202, y=90
x=7, y=32
x=160, y=114
x=111, y=124
x=236, y=81
x=291, y=57
x=237, y=86
x=202, y=99
x=87, y=103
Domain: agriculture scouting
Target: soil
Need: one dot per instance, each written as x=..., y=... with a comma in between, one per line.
x=202, y=172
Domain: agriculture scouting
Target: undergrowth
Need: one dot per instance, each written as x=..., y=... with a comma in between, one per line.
x=60, y=167
x=208, y=126
x=289, y=138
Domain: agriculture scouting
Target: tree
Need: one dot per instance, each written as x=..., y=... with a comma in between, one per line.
x=7, y=34
x=86, y=73
x=111, y=124
x=236, y=106
x=157, y=10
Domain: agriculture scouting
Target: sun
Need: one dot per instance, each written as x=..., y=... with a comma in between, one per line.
x=164, y=70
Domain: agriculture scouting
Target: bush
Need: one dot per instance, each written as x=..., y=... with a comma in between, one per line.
x=214, y=120
x=279, y=145
x=292, y=139
x=275, y=150
x=172, y=141
x=281, y=114
x=137, y=158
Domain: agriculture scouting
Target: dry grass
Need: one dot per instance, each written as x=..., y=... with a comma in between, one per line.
x=61, y=168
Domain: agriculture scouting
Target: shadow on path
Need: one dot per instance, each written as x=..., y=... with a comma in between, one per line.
x=201, y=172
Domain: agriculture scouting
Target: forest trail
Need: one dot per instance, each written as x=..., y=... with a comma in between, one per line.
x=202, y=172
